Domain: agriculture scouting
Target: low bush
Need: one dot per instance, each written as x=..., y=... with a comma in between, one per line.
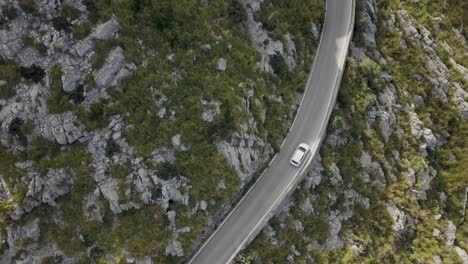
x=61, y=23
x=70, y=12
x=40, y=47
x=58, y=101
x=33, y=73
x=237, y=11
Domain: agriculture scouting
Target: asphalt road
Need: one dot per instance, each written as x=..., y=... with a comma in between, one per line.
x=309, y=126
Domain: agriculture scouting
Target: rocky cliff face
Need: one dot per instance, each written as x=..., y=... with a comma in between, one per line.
x=383, y=187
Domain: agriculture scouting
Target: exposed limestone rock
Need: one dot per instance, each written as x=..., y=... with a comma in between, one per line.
x=290, y=52
x=15, y=236
x=106, y=30
x=170, y=192
x=222, y=64
x=108, y=185
x=203, y=205
x=450, y=233
x=336, y=177
x=11, y=38
x=265, y=45
x=43, y=189
x=246, y=153
x=29, y=230
x=398, y=217
x=314, y=30
x=102, y=32
x=334, y=241
x=9, y=110
x=460, y=98
x=72, y=73
x=314, y=176
x=369, y=168
x=420, y=132
x=162, y=155
x=177, y=143
x=462, y=254
x=62, y=128
x=437, y=259
x=174, y=248
x=210, y=110
x=353, y=197
x=369, y=19
x=113, y=69
x=91, y=208
x=206, y=47
x=307, y=207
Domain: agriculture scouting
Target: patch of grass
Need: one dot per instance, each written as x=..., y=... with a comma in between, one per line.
x=72, y=158
x=102, y=49
x=58, y=101
x=70, y=12
x=9, y=73
x=97, y=116
x=141, y=232
x=40, y=47
x=82, y=30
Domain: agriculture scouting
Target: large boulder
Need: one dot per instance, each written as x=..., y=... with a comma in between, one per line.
x=62, y=128
x=113, y=70
x=106, y=30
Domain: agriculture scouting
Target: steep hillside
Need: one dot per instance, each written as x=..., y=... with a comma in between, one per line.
x=128, y=127
x=390, y=184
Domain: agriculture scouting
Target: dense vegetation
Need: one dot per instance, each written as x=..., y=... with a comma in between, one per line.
x=371, y=229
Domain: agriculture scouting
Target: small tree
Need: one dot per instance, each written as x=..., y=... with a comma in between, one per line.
x=34, y=73
x=237, y=11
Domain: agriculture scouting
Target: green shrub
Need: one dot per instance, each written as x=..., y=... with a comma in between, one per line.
x=58, y=101
x=9, y=71
x=40, y=47
x=6, y=208
x=167, y=171
x=237, y=11
x=70, y=12
x=61, y=23
x=33, y=73
x=102, y=49
x=80, y=31
x=97, y=115
x=279, y=66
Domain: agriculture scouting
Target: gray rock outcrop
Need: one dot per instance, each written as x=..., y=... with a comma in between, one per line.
x=43, y=188
x=222, y=64
x=246, y=153
x=106, y=30
x=210, y=110
x=113, y=70
x=62, y=128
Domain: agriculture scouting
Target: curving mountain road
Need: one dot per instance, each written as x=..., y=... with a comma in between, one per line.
x=309, y=126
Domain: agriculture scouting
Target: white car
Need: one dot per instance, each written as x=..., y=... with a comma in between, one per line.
x=300, y=154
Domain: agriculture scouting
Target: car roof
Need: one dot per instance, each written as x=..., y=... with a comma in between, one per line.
x=298, y=155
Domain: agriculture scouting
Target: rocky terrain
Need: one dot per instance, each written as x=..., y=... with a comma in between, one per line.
x=129, y=127
x=390, y=183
